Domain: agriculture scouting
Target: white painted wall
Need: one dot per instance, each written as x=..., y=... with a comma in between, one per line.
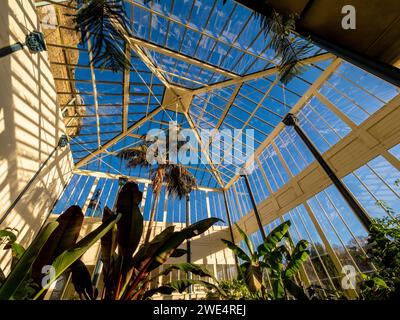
x=30, y=125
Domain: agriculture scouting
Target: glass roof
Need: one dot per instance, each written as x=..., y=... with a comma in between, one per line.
x=219, y=56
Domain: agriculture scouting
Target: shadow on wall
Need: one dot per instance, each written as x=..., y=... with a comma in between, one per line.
x=30, y=125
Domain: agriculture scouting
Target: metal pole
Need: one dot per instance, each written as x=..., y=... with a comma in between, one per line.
x=62, y=143
x=11, y=49
x=253, y=202
x=188, y=248
x=188, y=253
x=380, y=69
x=291, y=121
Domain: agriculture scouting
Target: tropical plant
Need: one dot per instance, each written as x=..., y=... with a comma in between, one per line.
x=179, y=181
x=235, y=289
x=383, y=251
x=54, y=246
x=127, y=276
x=290, y=49
x=275, y=264
x=104, y=28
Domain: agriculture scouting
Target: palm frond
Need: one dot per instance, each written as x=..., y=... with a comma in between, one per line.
x=97, y=20
x=135, y=157
x=180, y=182
x=290, y=48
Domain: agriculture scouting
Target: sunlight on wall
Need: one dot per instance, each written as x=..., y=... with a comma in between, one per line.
x=30, y=125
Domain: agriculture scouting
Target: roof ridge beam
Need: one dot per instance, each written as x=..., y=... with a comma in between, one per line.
x=259, y=74
x=182, y=57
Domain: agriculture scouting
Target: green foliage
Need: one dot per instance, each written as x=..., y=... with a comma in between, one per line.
x=274, y=261
x=55, y=245
x=383, y=250
x=8, y=240
x=18, y=276
x=127, y=276
x=82, y=281
x=235, y=289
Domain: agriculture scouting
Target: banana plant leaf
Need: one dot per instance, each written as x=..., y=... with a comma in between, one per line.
x=278, y=288
x=236, y=250
x=23, y=267
x=177, y=238
x=130, y=226
x=108, y=243
x=155, y=253
x=178, y=253
x=146, y=253
x=246, y=240
x=274, y=238
x=299, y=255
x=68, y=257
x=63, y=238
x=82, y=280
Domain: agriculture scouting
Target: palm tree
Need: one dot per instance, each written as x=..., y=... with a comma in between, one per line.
x=289, y=47
x=179, y=181
x=105, y=25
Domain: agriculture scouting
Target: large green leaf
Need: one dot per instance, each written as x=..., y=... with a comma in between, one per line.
x=146, y=252
x=68, y=257
x=24, y=265
x=274, y=238
x=16, y=249
x=246, y=240
x=178, y=253
x=63, y=238
x=299, y=255
x=177, y=238
x=9, y=235
x=107, y=242
x=275, y=258
x=278, y=288
x=82, y=280
x=236, y=250
x=130, y=226
x=17, y=253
